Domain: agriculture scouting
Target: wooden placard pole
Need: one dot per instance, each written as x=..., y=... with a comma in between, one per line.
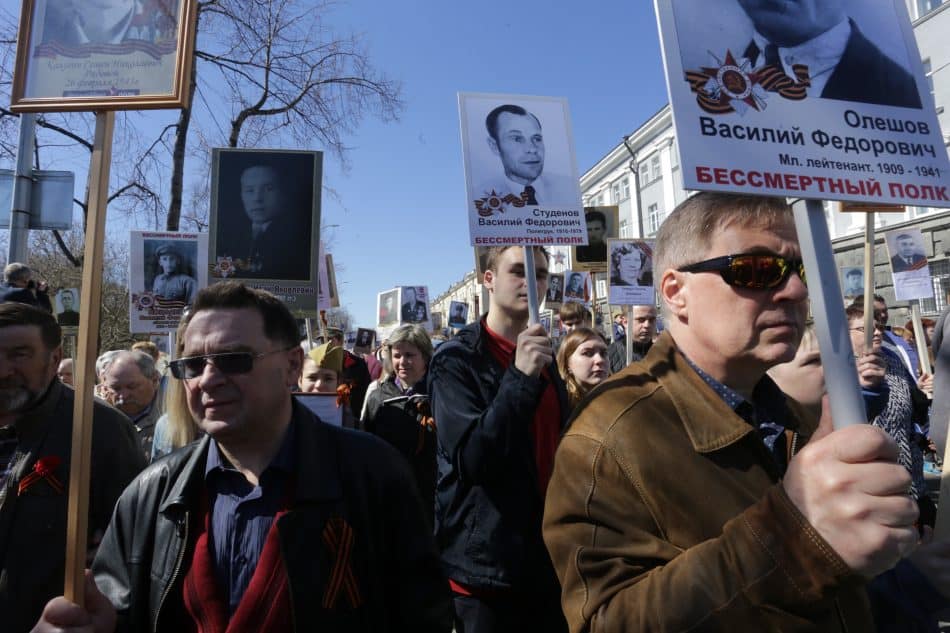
x=532, y=281
x=920, y=337
x=593, y=301
x=629, y=332
x=831, y=326
x=77, y=523
x=869, y=281
x=308, y=322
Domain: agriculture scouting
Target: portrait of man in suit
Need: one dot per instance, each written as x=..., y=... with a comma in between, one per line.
x=458, y=314
x=842, y=62
x=909, y=254
x=853, y=282
x=575, y=287
x=596, y=249
x=516, y=138
x=66, y=301
x=555, y=292
x=364, y=338
x=414, y=309
x=265, y=214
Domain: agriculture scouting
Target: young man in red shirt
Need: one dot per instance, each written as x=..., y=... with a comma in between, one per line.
x=500, y=407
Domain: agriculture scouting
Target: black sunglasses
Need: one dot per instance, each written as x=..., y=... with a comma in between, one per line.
x=226, y=362
x=760, y=271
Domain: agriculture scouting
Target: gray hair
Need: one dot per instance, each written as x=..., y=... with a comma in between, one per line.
x=16, y=272
x=144, y=361
x=686, y=235
x=105, y=359
x=414, y=335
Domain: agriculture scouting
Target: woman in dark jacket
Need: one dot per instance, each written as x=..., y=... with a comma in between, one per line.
x=398, y=410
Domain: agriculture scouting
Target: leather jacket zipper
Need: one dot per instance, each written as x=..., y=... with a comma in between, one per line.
x=183, y=534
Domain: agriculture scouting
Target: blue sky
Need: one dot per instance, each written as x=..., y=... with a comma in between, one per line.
x=402, y=218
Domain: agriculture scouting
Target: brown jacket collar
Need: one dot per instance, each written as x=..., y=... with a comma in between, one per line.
x=708, y=420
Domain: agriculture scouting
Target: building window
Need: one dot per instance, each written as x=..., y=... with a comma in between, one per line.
x=624, y=227
x=644, y=173
x=615, y=192
x=653, y=218
x=674, y=156
x=624, y=188
x=940, y=278
x=655, y=171
x=926, y=6
x=929, y=74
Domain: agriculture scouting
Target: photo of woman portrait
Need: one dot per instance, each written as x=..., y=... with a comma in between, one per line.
x=630, y=265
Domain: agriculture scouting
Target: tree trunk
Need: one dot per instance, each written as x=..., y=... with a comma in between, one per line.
x=173, y=221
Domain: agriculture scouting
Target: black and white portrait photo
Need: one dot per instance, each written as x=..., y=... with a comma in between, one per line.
x=458, y=314
x=906, y=250
x=846, y=50
x=170, y=268
x=555, y=293
x=576, y=287
x=166, y=271
x=363, y=343
x=603, y=223
x=265, y=214
x=519, y=157
x=910, y=269
x=414, y=305
x=67, y=307
x=852, y=281
x=631, y=263
x=387, y=311
x=631, y=272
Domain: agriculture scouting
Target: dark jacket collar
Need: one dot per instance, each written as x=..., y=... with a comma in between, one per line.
x=473, y=338
x=317, y=458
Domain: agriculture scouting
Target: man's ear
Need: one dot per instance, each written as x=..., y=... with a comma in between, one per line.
x=493, y=146
x=674, y=293
x=55, y=357
x=489, y=280
x=295, y=361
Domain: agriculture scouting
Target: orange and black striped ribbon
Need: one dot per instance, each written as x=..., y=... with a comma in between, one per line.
x=338, y=537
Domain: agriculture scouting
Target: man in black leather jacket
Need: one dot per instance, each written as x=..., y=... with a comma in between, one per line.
x=274, y=521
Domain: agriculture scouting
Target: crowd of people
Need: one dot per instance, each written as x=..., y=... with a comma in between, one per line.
x=501, y=480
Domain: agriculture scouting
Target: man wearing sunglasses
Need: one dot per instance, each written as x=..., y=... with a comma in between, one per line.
x=686, y=494
x=274, y=521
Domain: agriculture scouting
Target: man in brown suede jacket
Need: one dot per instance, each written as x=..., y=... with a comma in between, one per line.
x=684, y=496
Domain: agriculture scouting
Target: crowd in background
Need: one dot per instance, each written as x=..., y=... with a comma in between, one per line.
x=476, y=422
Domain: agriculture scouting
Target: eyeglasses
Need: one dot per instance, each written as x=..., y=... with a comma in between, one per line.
x=750, y=270
x=226, y=362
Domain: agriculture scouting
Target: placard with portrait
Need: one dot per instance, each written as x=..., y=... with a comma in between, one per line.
x=631, y=272
x=103, y=55
x=603, y=223
x=265, y=222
